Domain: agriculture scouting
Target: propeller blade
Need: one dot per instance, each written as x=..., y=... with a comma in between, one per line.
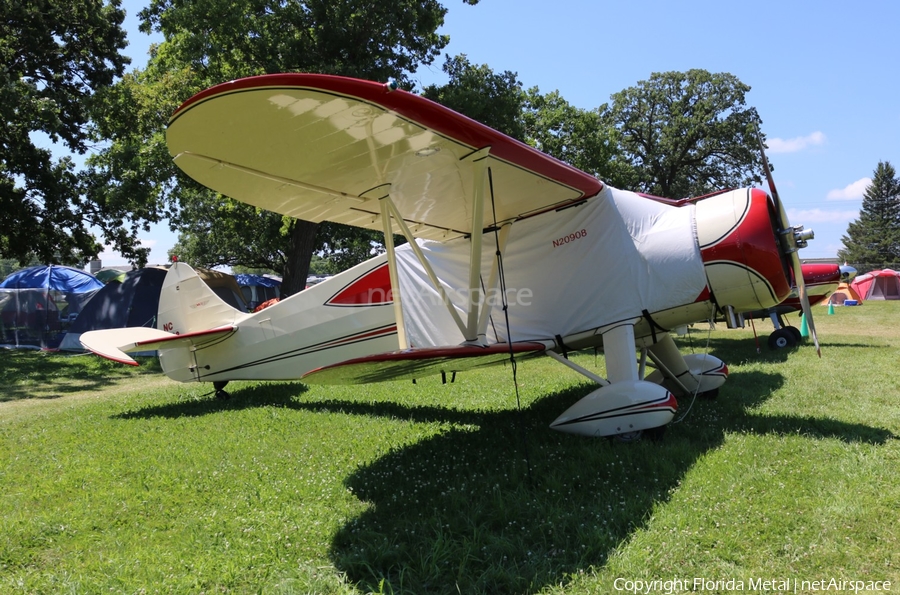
x=804, y=301
x=779, y=208
x=786, y=228
x=765, y=164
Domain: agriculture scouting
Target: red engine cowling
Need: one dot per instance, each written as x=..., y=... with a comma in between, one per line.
x=744, y=263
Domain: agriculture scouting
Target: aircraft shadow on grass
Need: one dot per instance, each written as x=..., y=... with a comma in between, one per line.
x=734, y=351
x=248, y=397
x=537, y=501
x=534, y=499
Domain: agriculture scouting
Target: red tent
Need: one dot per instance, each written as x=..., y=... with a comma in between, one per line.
x=878, y=285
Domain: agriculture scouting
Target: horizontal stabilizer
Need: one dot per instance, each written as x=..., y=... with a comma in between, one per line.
x=418, y=363
x=116, y=342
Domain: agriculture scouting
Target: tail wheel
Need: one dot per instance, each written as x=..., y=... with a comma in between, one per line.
x=221, y=393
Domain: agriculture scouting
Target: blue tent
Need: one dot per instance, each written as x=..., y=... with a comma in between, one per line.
x=38, y=303
x=256, y=280
x=52, y=277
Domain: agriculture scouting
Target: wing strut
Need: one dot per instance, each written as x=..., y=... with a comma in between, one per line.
x=479, y=161
x=474, y=328
x=404, y=229
x=385, y=205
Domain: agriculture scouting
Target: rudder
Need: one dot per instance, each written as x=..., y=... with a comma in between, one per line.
x=187, y=304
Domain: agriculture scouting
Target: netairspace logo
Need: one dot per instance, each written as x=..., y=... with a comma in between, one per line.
x=752, y=585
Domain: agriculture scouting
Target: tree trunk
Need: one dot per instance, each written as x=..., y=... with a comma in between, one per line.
x=300, y=249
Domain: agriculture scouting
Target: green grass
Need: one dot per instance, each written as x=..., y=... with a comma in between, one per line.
x=117, y=480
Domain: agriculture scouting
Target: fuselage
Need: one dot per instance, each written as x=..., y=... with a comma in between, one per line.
x=821, y=280
x=570, y=275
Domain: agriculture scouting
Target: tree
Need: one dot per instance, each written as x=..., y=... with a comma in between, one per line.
x=686, y=133
x=55, y=55
x=218, y=40
x=215, y=232
x=577, y=136
x=873, y=240
x=495, y=100
x=547, y=122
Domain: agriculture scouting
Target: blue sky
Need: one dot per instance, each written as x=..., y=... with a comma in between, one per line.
x=822, y=77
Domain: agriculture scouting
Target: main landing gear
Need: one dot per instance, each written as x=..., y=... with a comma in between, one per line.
x=629, y=406
x=784, y=336
x=221, y=393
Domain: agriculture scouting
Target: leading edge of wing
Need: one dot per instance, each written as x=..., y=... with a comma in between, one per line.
x=416, y=108
x=207, y=146
x=419, y=363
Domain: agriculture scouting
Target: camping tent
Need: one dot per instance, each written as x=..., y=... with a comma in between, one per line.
x=225, y=286
x=38, y=303
x=135, y=302
x=843, y=293
x=878, y=285
x=109, y=274
x=132, y=302
x=257, y=289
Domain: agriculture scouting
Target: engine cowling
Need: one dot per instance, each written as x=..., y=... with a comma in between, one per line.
x=741, y=253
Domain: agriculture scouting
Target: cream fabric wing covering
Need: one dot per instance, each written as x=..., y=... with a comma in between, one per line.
x=580, y=268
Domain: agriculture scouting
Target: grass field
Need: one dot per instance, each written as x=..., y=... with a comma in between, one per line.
x=117, y=480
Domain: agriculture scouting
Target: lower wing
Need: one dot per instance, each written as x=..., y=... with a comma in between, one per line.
x=420, y=362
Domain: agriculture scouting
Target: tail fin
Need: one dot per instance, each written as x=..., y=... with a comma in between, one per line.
x=187, y=304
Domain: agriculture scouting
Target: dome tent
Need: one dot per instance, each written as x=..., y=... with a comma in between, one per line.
x=38, y=303
x=131, y=302
x=843, y=293
x=257, y=289
x=135, y=302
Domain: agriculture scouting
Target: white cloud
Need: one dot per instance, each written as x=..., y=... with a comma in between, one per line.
x=852, y=191
x=808, y=216
x=792, y=145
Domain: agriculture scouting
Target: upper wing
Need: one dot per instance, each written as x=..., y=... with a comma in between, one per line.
x=319, y=147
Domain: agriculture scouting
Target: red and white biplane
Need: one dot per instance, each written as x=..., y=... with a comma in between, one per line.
x=821, y=280
x=510, y=253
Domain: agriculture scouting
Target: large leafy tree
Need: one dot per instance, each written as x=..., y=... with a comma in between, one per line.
x=55, y=55
x=214, y=41
x=873, y=240
x=496, y=100
x=577, y=136
x=545, y=121
x=217, y=231
x=686, y=133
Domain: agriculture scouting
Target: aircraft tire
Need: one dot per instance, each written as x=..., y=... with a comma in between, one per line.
x=651, y=434
x=221, y=393
x=782, y=338
x=709, y=395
